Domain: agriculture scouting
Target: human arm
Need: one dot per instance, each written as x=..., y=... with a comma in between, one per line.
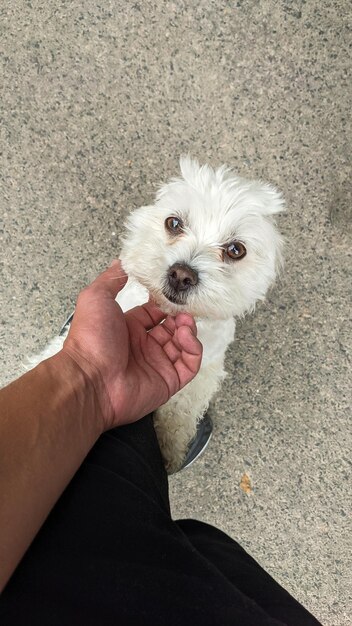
x=113, y=369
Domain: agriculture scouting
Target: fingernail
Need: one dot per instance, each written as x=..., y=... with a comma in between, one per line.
x=114, y=262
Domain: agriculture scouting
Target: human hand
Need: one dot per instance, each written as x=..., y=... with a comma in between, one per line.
x=135, y=362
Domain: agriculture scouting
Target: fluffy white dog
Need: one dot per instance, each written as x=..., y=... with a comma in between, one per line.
x=208, y=246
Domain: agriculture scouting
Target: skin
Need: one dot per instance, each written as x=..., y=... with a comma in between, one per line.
x=113, y=369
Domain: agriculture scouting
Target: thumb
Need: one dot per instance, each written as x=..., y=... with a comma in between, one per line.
x=113, y=279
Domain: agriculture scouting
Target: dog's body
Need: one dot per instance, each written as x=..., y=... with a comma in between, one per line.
x=207, y=246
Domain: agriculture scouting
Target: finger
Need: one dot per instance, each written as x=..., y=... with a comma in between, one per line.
x=188, y=365
x=149, y=315
x=188, y=342
x=165, y=331
x=167, y=344
x=112, y=280
x=172, y=351
x=167, y=337
x=185, y=319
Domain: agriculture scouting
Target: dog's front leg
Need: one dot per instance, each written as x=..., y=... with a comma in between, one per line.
x=176, y=421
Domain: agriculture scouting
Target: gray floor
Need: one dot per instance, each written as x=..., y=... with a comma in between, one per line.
x=97, y=103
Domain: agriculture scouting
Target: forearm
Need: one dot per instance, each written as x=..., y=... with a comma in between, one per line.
x=48, y=422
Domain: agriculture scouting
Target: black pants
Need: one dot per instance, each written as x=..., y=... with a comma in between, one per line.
x=110, y=554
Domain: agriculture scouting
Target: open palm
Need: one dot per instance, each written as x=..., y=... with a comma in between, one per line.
x=136, y=360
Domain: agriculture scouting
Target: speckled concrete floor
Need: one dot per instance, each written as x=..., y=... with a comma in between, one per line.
x=97, y=102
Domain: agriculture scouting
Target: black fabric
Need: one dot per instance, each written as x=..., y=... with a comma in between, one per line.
x=110, y=554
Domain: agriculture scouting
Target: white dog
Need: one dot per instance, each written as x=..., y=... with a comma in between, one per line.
x=208, y=246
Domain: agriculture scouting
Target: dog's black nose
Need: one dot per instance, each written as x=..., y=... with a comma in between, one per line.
x=181, y=277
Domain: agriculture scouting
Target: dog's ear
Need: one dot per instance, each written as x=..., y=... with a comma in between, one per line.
x=268, y=199
x=201, y=177
x=194, y=174
x=189, y=167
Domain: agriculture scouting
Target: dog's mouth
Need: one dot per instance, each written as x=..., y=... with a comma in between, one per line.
x=175, y=298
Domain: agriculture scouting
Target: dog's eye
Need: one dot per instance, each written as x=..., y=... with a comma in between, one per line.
x=174, y=225
x=236, y=250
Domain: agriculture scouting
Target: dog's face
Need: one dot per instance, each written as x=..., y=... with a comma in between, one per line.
x=208, y=245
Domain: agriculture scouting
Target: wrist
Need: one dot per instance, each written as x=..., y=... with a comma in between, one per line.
x=75, y=392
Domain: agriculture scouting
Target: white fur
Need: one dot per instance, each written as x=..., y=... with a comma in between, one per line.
x=216, y=208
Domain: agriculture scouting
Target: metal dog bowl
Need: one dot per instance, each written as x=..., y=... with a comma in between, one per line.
x=200, y=441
